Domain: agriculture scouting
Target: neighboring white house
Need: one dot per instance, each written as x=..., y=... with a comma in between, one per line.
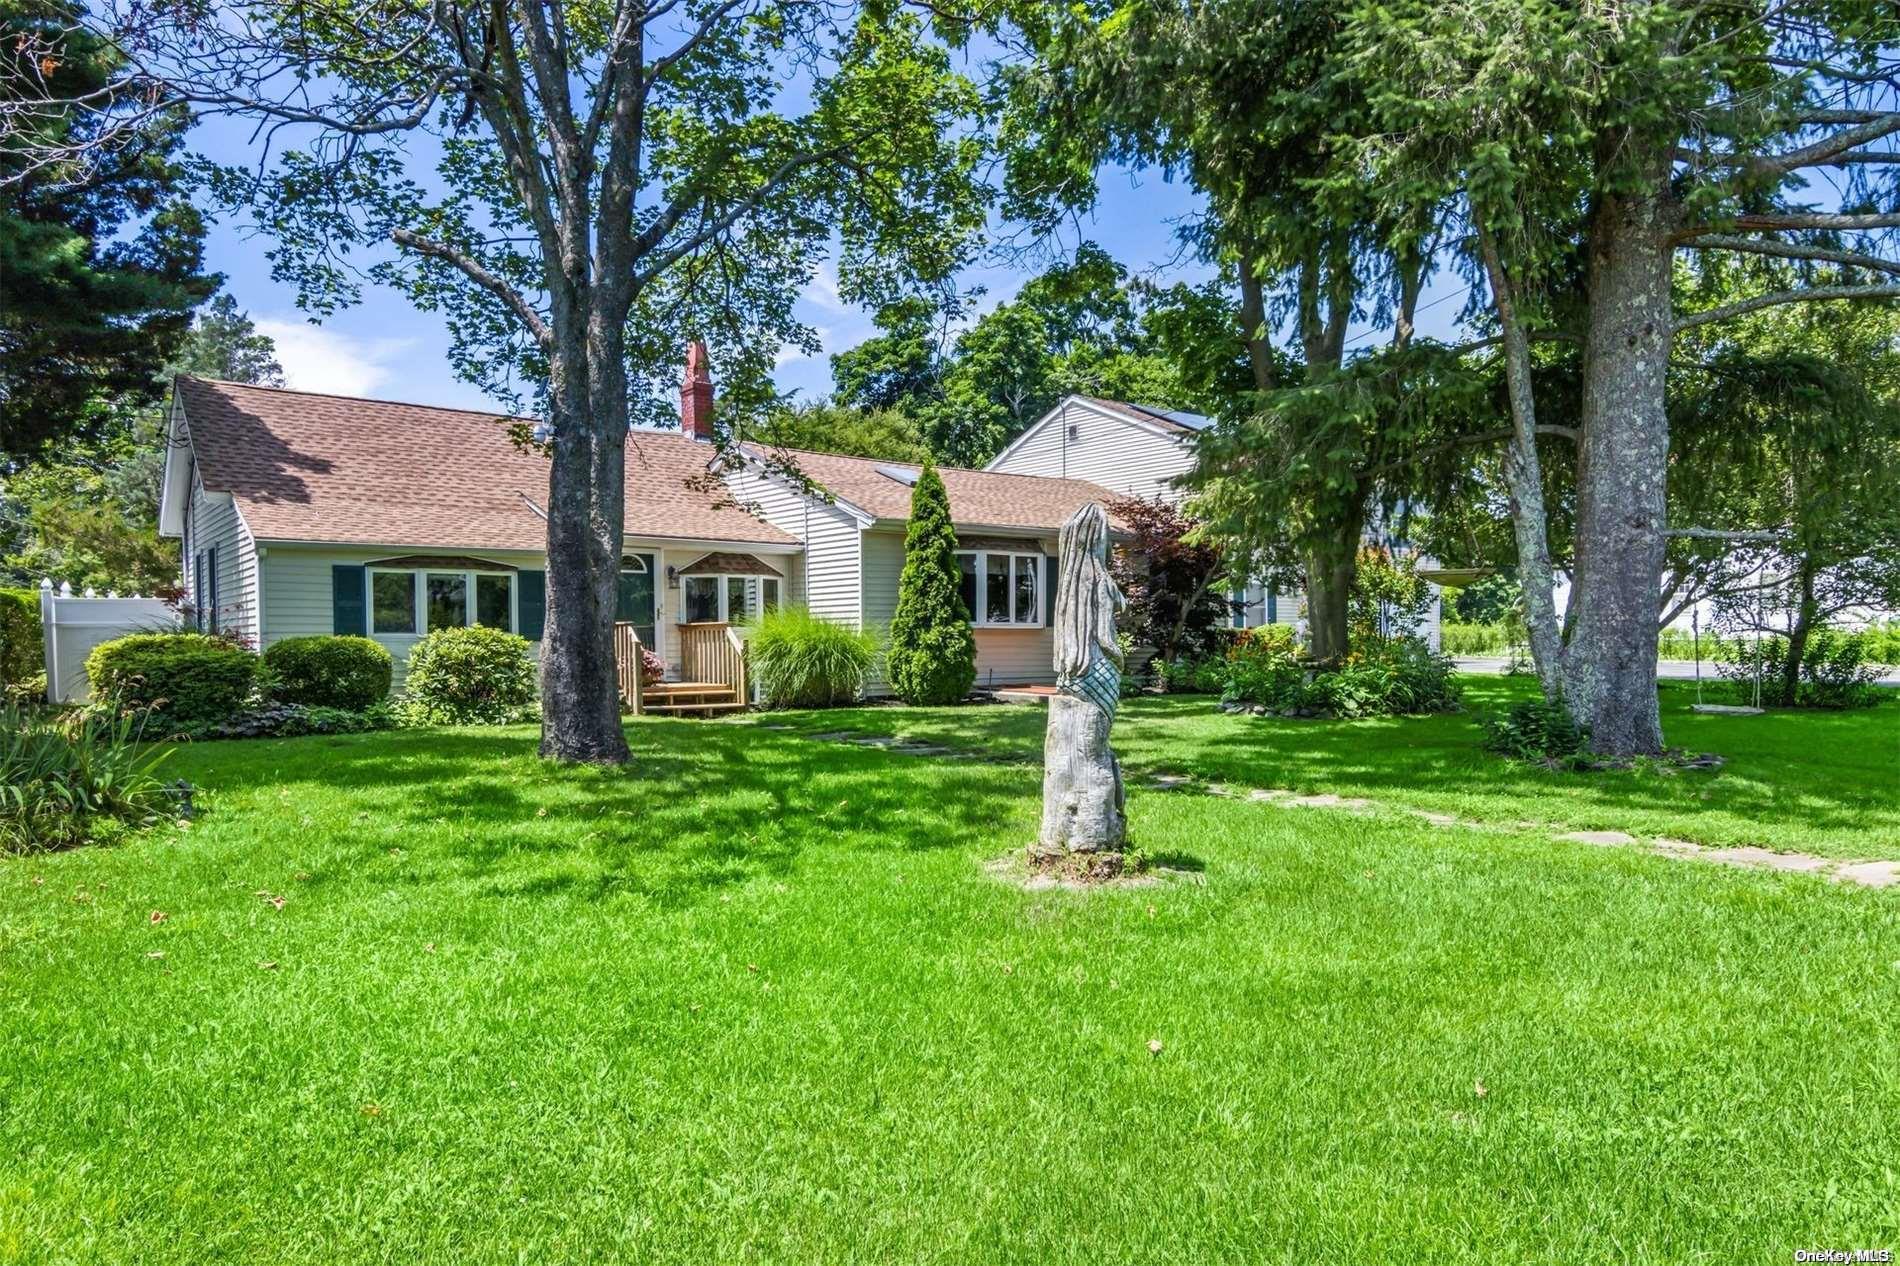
x=302, y=513
x=1142, y=450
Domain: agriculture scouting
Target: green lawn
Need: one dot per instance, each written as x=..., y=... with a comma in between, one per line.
x=756, y=999
x=1819, y=782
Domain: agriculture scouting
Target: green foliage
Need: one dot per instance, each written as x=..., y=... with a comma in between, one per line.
x=1487, y=600
x=801, y=660
x=1536, y=730
x=883, y=433
x=1399, y=676
x=22, y=651
x=224, y=343
x=1388, y=599
x=327, y=671
x=177, y=682
x=1835, y=671
x=468, y=676
x=65, y=779
x=100, y=253
x=932, y=655
x=294, y=720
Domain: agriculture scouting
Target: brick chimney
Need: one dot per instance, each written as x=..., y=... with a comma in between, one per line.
x=696, y=394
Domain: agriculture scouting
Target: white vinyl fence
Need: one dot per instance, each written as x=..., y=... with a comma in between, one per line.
x=75, y=623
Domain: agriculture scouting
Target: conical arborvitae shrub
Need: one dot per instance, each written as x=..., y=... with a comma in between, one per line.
x=933, y=654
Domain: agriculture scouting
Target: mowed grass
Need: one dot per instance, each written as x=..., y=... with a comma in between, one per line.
x=757, y=999
x=1796, y=781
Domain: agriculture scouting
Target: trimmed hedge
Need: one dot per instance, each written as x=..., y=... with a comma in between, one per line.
x=801, y=660
x=22, y=653
x=469, y=676
x=327, y=671
x=180, y=681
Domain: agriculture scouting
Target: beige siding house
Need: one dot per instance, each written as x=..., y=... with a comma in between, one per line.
x=303, y=513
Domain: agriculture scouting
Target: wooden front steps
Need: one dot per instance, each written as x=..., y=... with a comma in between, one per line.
x=690, y=696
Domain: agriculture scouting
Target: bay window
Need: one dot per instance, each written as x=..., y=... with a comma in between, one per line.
x=1002, y=590
x=723, y=599
x=406, y=602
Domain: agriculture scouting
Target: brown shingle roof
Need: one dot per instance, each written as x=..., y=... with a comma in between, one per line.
x=310, y=467
x=978, y=498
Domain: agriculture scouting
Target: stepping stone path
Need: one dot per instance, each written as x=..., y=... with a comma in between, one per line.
x=1867, y=874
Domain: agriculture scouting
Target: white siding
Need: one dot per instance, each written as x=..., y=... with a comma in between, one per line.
x=830, y=580
x=1015, y=657
x=214, y=522
x=1118, y=453
x=883, y=554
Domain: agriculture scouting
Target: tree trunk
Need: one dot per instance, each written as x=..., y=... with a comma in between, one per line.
x=1798, y=633
x=580, y=702
x=1610, y=666
x=1331, y=565
x=1082, y=807
x=1524, y=475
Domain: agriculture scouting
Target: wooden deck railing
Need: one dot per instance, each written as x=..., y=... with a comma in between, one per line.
x=627, y=664
x=713, y=652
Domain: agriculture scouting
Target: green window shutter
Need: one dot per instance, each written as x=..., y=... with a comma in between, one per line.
x=348, y=612
x=532, y=591
x=1049, y=594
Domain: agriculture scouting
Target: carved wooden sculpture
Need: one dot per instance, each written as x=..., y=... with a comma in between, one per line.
x=1082, y=780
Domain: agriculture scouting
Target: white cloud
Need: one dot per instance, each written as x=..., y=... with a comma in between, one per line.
x=821, y=291
x=316, y=358
x=789, y=353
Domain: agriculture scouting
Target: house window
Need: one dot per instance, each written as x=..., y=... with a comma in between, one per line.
x=410, y=602
x=726, y=599
x=1002, y=590
x=393, y=599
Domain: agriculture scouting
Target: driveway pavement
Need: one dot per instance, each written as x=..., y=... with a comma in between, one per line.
x=1676, y=668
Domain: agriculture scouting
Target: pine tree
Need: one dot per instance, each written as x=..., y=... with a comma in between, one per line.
x=933, y=653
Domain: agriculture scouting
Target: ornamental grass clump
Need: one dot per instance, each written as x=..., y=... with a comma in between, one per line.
x=801, y=660
x=66, y=778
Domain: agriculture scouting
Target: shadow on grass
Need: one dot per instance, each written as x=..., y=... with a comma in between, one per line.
x=701, y=806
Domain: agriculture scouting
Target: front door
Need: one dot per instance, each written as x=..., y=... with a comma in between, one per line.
x=633, y=603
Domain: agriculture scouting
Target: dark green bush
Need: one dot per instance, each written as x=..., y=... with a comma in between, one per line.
x=1399, y=676
x=291, y=720
x=178, y=681
x=1835, y=671
x=328, y=672
x=805, y=661
x=468, y=676
x=21, y=652
x=932, y=655
x=1536, y=730
x=65, y=779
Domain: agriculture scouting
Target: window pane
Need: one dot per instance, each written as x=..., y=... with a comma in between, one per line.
x=768, y=594
x=736, y=608
x=393, y=594
x=633, y=598
x=494, y=601
x=996, y=590
x=702, y=599
x=966, y=563
x=1027, y=565
x=447, y=601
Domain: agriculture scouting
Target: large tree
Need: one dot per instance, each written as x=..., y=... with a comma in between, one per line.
x=100, y=250
x=1588, y=145
x=580, y=186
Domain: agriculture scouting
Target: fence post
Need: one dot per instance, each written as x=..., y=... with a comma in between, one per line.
x=47, y=650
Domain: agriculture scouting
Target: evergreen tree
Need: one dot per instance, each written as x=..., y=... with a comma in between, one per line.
x=224, y=343
x=933, y=653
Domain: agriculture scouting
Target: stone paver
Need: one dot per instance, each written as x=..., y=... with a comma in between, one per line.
x=1868, y=874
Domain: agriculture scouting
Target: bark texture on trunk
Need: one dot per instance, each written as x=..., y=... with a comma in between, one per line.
x=1082, y=808
x=1524, y=476
x=1807, y=611
x=1331, y=567
x=1610, y=666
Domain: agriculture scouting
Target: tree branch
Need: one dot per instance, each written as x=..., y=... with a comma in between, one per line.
x=1818, y=220
x=1791, y=250
x=1815, y=293
x=475, y=272
x=1719, y=534
x=1826, y=148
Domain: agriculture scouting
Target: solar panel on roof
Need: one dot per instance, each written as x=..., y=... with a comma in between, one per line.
x=1180, y=417
x=906, y=477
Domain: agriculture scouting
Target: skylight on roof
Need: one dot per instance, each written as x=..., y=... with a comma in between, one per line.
x=906, y=477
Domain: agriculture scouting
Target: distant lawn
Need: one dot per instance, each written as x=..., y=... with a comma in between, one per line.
x=755, y=999
x=1797, y=781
